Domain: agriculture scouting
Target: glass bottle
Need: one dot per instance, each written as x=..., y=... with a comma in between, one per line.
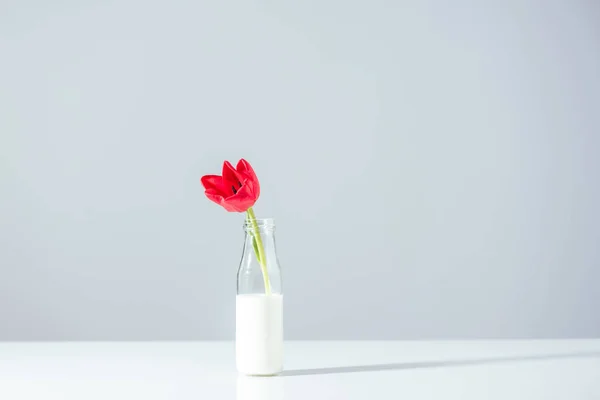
x=259, y=302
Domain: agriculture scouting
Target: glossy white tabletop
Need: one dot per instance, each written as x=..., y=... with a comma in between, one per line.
x=543, y=369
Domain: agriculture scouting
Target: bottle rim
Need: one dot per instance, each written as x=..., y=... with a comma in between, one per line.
x=262, y=223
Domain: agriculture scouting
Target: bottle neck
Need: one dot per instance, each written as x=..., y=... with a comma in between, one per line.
x=260, y=237
x=258, y=242
x=259, y=268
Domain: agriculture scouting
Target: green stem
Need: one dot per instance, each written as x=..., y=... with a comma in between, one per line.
x=259, y=249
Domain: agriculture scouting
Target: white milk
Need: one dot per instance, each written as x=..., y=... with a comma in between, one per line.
x=259, y=334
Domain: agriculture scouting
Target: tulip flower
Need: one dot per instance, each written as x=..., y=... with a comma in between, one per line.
x=237, y=190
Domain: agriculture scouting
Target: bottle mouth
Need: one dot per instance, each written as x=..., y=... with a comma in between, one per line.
x=261, y=223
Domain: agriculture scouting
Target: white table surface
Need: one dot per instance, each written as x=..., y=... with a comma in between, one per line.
x=542, y=369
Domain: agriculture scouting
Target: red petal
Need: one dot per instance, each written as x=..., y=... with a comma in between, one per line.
x=231, y=176
x=242, y=200
x=217, y=198
x=216, y=183
x=245, y=169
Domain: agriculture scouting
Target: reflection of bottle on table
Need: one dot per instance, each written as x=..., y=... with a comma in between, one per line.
x=260, y=388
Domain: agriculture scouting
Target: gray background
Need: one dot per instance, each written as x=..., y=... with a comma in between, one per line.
x=432, y=166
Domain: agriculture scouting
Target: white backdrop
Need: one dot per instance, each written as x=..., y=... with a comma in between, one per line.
x=432, y=167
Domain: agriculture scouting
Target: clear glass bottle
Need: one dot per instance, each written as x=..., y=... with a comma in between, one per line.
x=259, y=302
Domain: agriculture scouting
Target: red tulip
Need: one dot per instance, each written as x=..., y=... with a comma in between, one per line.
x=237, y=190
